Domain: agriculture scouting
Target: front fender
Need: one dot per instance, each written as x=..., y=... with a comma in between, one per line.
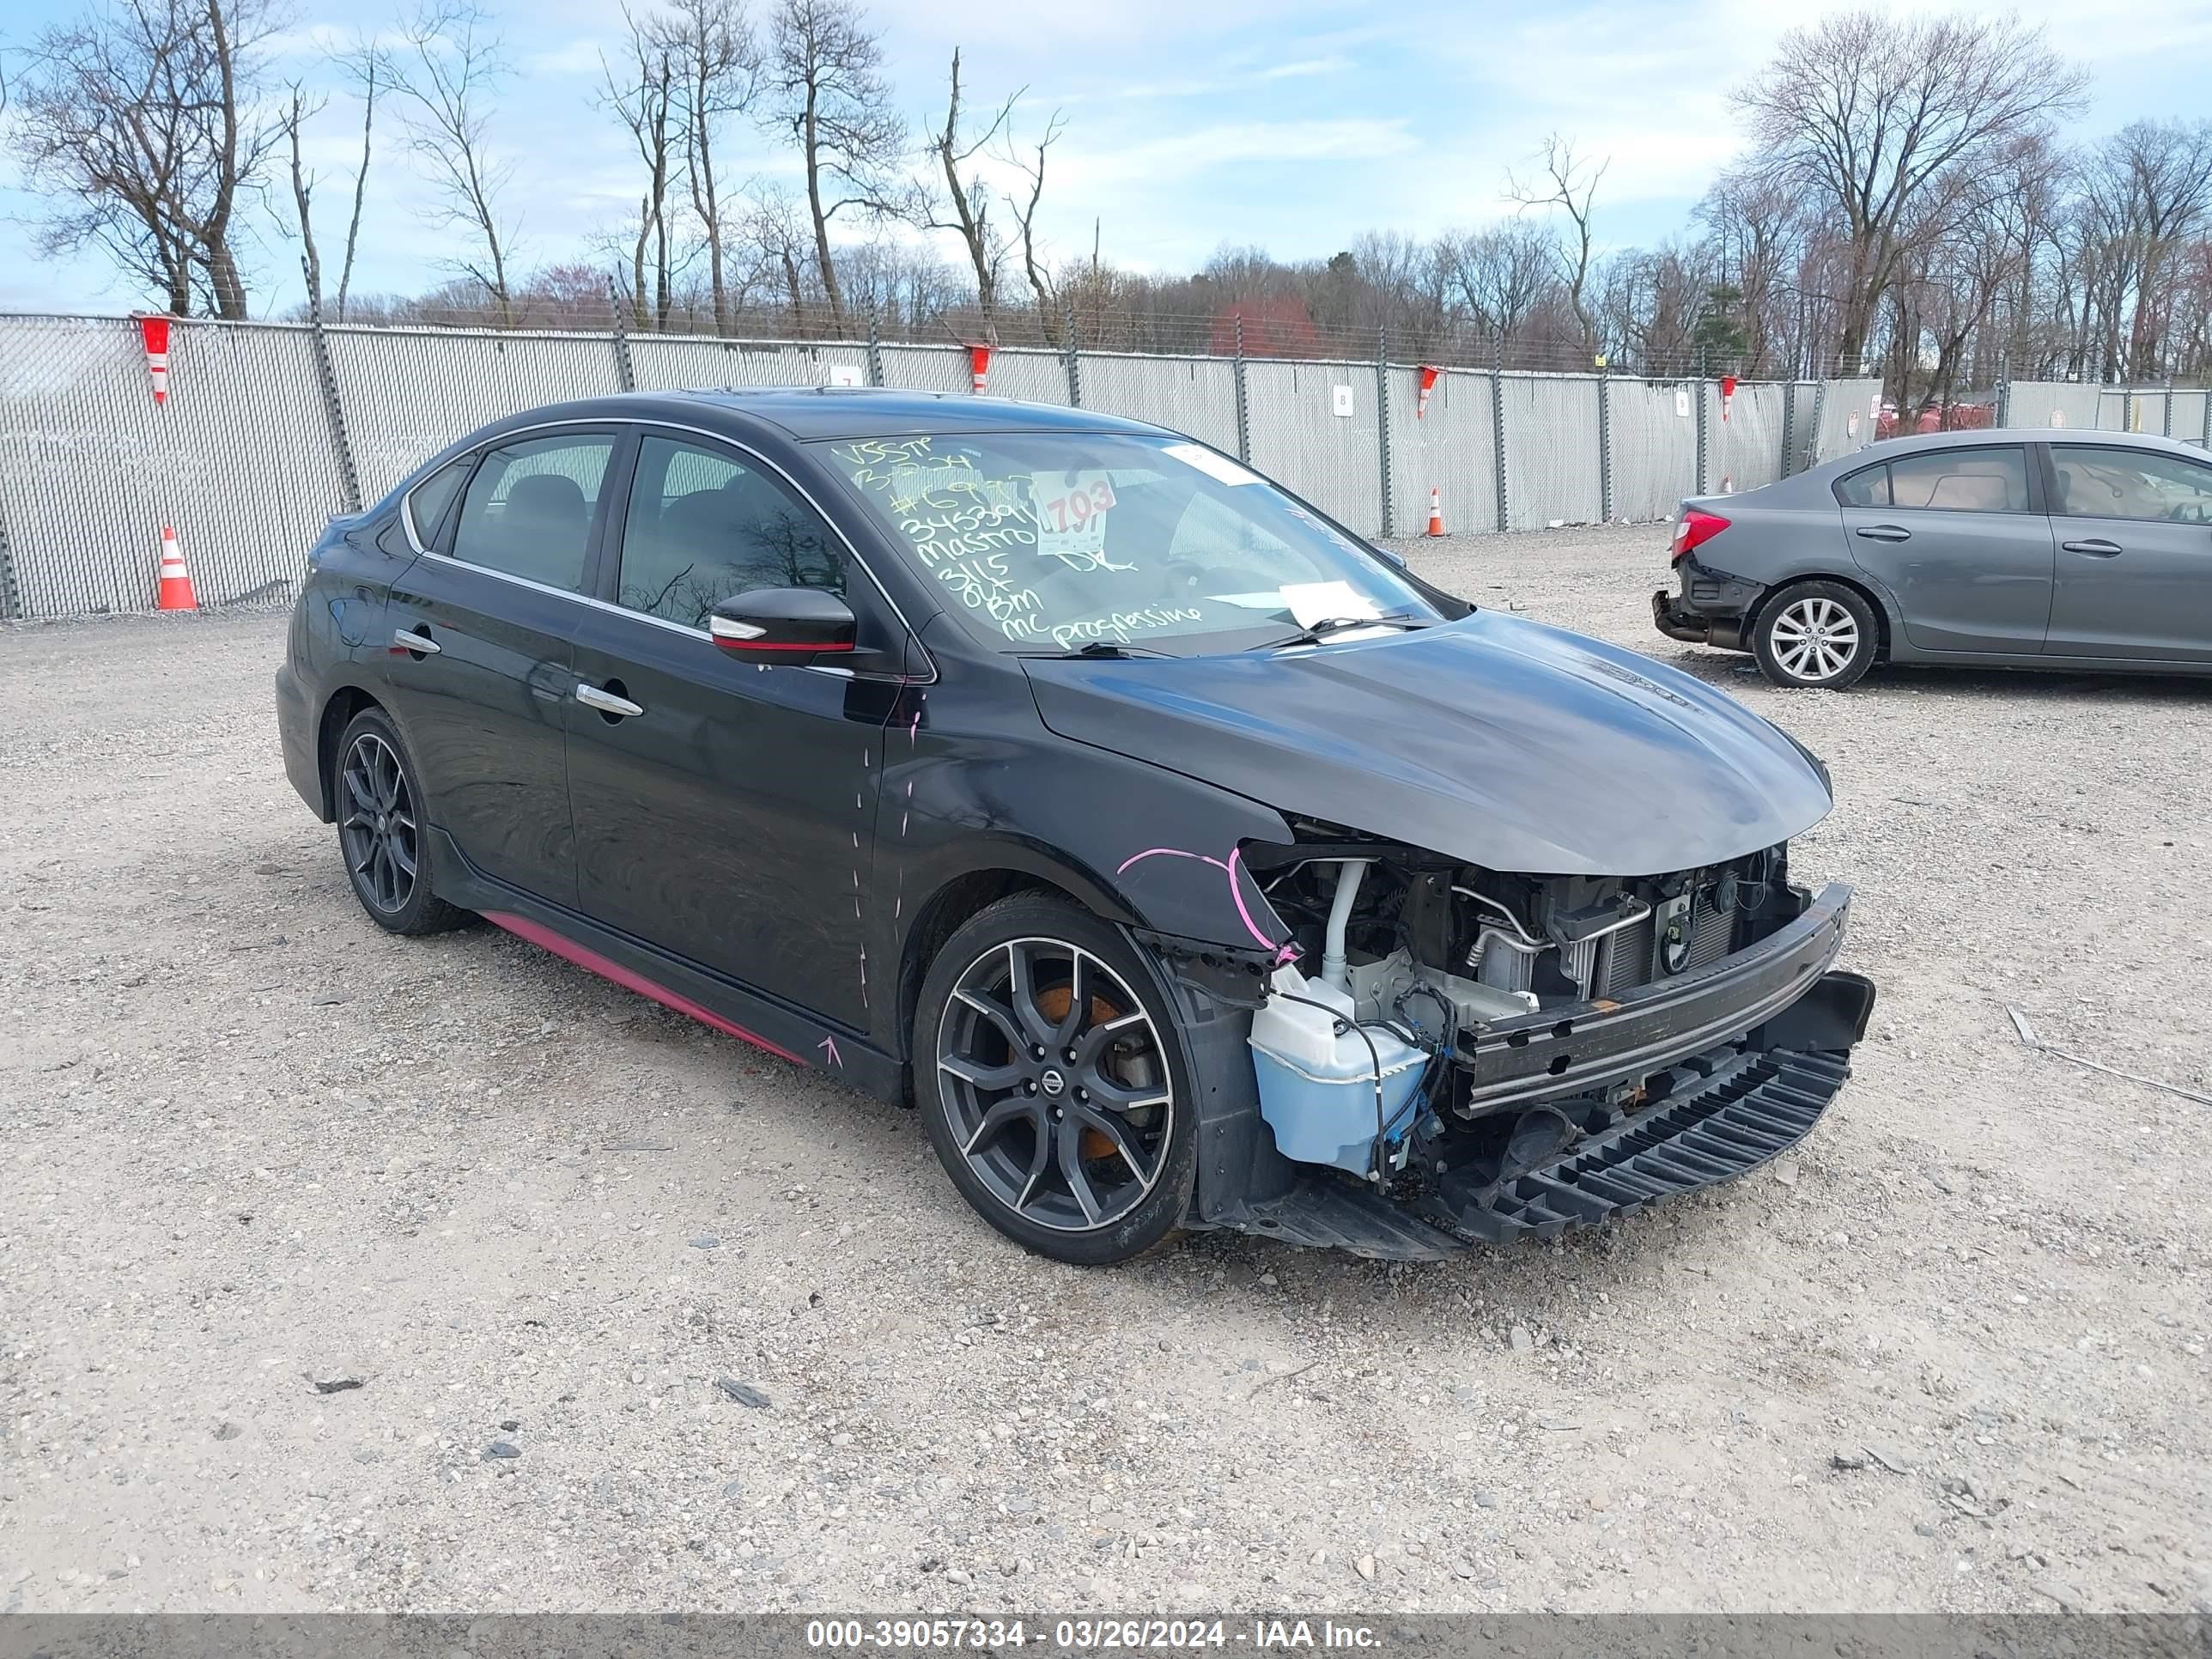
x=1139, y=845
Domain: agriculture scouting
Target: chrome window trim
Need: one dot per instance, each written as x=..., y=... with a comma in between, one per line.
x=643, y=424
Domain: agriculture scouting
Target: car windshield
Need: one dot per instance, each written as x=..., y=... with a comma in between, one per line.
x=1056, y=541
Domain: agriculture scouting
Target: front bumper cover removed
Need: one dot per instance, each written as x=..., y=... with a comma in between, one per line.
x=1723, y=1115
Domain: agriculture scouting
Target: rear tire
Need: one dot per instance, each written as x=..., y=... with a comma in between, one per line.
x=1054, y=1083
x=1816, y=634
x=382, y=837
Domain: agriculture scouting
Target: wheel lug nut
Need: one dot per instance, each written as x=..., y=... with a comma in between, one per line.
x=1036, y=1054
x=1082, y=1093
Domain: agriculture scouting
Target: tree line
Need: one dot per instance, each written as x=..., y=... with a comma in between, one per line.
x=1903, y=206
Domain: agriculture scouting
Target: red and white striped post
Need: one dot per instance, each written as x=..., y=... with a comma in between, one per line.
x=1428, y=385
x=154, y=334
x=979, y=364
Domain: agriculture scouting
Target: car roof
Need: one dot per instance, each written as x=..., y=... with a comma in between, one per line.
x=2042, y=435
x=811, y=412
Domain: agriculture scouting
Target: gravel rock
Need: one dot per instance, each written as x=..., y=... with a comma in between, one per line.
x=518, y=1268
x=743, y=1393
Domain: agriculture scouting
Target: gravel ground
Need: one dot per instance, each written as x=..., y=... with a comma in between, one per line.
x=343, y=1271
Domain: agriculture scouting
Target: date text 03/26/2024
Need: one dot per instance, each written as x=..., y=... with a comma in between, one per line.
x=1084, y=1635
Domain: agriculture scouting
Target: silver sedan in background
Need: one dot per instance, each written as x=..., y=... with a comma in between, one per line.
x=2005, y=549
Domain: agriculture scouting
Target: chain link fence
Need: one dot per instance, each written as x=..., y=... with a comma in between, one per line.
x=271, y=428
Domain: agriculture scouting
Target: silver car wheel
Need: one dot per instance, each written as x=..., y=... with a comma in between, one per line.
x=1814, y=639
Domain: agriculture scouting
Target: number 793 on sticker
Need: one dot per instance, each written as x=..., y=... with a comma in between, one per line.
x=1071, y=508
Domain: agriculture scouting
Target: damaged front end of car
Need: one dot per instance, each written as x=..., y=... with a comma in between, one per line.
x=1445, y=1054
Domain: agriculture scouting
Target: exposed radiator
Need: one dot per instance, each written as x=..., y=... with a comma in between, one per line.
x=1628, y=960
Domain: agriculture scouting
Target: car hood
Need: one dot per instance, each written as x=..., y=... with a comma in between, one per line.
x=1499, y=741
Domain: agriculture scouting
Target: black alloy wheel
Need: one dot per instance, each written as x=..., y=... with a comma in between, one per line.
x=1053, y=1100
x=380, y=833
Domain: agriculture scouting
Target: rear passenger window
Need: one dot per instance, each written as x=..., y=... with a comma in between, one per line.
x=427, y=502
x=528, y=511
x=703, y=527
x=1869, y=488
x=1961, y=480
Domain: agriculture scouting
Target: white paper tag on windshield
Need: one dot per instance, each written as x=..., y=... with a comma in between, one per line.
x=1213, y=465
x=1316, y=602
x=1071, y=510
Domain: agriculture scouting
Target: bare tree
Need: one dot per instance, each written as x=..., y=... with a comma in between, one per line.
x=1024, y=210
x=1863, y=112
x=449, y=66
x=2155, y=179
x=145, y=123
x=1498, y=275
x=297, y=114
x=718, y=74
x=775, y=227
x=965, y=207
x=640, y=92
x=1568, y=182
x=365, y=63
x=824, y=70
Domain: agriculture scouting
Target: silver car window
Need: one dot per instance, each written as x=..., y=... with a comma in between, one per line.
x=2117, y=482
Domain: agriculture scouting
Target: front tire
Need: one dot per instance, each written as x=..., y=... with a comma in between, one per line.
x=382, y=836
x=1054, y=1083
x=1816, y=634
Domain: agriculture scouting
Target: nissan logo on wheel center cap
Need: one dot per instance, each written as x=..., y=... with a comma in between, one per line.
x=1051, y=1083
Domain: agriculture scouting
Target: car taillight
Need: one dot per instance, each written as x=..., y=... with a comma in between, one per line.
x=1694, y=529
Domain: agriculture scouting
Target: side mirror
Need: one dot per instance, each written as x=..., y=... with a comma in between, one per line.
x=791, y=625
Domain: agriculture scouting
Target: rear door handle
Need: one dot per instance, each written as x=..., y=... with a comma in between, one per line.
x=605, y=701
x=1886, y=532
x=2096, y=547
x=417, y=640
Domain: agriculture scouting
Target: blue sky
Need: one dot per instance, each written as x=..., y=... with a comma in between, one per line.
x=1290, y=124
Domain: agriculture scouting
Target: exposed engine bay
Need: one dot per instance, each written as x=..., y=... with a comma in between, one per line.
x=1439, y=1018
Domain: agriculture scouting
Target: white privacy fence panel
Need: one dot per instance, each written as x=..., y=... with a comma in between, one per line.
x=2192, y=418
x=1314, y=427
x=92, y=470
x=2051, y=403
x=1849, y=410
x=1745, y=449
x=1451, y=449
x=1654, y=445
x=1029, y=376
x=269, y=429
x=408, y=394
x=1552, y=463
x=1196, y=395
x=675, y=365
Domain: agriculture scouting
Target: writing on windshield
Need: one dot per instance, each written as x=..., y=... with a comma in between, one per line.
x=1062, y=539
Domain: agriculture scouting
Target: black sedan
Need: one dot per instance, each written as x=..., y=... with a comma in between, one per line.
x=1185, y=859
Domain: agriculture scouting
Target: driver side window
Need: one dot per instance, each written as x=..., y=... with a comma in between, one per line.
x=2101, y=483
x=703, y=525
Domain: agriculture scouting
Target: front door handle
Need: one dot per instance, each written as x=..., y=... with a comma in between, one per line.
x=1886, y=532
x=605, y=701
x=417, y=640
x=2097, y=547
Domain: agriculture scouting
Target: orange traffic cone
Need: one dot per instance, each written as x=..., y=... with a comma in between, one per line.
x=1436, y=512
x=175, y=590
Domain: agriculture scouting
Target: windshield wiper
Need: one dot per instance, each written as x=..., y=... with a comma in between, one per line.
x=1108, y=650
x=1317, y=633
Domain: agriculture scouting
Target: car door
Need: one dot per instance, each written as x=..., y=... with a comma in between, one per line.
x=1960, y=538
x=478, y=670
x=2134, y=553
x=729, y=818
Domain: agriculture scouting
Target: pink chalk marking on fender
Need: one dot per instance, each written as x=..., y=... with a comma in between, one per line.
x=829, y=1046
x=560, y=945
x=1235, y=893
